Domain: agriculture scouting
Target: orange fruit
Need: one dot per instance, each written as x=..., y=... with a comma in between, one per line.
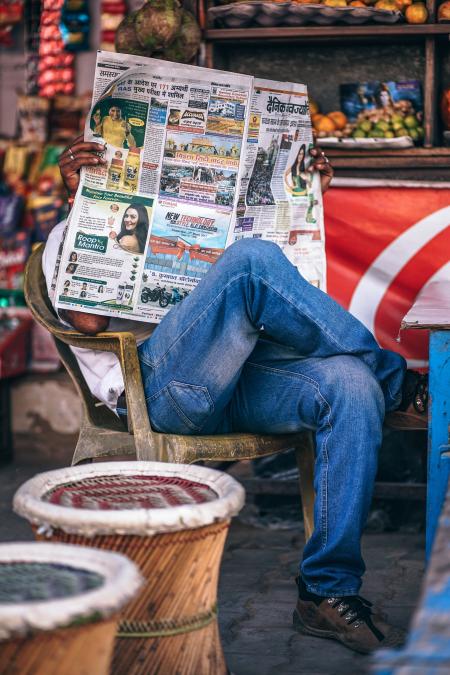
x=389, y=5
x=338, y=117
x=315, y=118
x=356, y=3
x=325, y=124
x=313, y=107
x=444, y=11
x=403, y=4
x=335, y=3
x=416, y=13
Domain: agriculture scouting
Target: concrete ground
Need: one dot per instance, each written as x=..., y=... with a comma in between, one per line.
x=257, y=593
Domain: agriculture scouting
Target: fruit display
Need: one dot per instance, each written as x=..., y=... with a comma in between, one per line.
x=299, y=13
x=161, y=29
x=240, y=14
x=394, y=120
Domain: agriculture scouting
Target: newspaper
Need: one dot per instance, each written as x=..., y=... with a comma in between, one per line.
x=195, y=159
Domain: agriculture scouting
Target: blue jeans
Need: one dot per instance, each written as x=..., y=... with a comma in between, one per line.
x=256, y=348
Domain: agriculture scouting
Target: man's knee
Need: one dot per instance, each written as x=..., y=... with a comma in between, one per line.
x=349, y=384
x=254, y=252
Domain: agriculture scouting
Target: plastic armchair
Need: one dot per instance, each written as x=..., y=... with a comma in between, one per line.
x=102, y=433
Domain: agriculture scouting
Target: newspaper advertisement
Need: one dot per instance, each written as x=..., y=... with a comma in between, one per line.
x=279, y=199
x=188, y=155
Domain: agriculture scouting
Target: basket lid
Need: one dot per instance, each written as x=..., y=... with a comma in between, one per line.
x=44, y=586
x=142, y=498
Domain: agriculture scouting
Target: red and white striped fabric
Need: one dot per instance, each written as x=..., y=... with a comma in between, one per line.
x=384, y=244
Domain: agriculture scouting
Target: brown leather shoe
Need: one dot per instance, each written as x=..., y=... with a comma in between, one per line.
x=349, y=620
x=413, y=410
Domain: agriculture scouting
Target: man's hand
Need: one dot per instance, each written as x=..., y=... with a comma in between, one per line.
x=321, y=164
x=79, y=153
x=89, y=324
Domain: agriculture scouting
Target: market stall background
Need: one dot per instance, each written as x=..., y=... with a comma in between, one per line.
x=359, y=227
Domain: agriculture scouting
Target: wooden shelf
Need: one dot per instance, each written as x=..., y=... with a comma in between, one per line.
x=319, y=33
x=430, y=34
x=412, y=158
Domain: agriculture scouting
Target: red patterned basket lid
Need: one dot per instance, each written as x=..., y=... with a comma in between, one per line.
x=118, y=492
x=128, y=498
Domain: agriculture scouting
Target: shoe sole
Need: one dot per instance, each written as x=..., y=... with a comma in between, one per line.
x=301, y=627
x=404, y=421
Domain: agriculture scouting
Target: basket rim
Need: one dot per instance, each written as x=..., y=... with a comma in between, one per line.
x=121, y=576
x=144, y=522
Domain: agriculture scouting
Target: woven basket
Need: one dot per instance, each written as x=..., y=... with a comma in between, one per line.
x=59, y=608
x=172, y=521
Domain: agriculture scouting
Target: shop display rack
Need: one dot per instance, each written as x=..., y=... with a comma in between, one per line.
x=432, y=35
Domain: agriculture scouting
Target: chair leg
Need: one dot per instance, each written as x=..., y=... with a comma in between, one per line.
x=304, y=455
x=97, y=442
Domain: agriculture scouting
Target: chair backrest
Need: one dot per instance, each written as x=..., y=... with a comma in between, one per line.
x=37, y=299
x=36, y=295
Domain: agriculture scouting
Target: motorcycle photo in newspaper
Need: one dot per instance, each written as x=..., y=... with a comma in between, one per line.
x=162, y=296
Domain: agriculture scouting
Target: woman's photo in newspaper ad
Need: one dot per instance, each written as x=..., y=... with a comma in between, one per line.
x=120, y=122
x=133, y=229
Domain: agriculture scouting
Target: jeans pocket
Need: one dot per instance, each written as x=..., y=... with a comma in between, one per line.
x=180, y=408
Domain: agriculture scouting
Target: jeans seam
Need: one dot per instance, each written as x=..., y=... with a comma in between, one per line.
x=324, y=501
x=279, y=371
x=177, y=408
x=311, y=318
x=179, y=412
x=390, y=391
x=324, y=482
x=144, y=359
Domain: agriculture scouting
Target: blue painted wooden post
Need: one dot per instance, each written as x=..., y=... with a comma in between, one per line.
x=438, y=430
x=427, y=651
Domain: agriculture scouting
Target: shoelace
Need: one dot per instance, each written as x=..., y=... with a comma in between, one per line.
x=420, y=400
x=355, y=610
x=415, y=391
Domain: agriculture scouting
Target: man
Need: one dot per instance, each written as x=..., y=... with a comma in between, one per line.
x=113, y=128
x=272, y=354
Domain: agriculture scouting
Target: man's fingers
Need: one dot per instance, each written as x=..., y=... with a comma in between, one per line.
x=80, y=155
x=74, y=165
x=322, y=166
x=82, y=147
x=88, y=145
x=75, y=140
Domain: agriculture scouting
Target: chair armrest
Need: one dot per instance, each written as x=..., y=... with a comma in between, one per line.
x=148, y=444
x=123, y=345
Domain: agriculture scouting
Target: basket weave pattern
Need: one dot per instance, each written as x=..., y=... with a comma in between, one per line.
x=176, y=607
x=66, y=651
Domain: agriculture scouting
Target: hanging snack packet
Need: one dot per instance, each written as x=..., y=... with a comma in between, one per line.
x=74, y=25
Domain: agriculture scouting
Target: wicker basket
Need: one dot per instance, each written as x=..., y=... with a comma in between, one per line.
x=59, y=607
x=172, y=521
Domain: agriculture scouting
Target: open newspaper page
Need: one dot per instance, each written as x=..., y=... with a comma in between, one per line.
x=146, y=228
x=279, y=199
